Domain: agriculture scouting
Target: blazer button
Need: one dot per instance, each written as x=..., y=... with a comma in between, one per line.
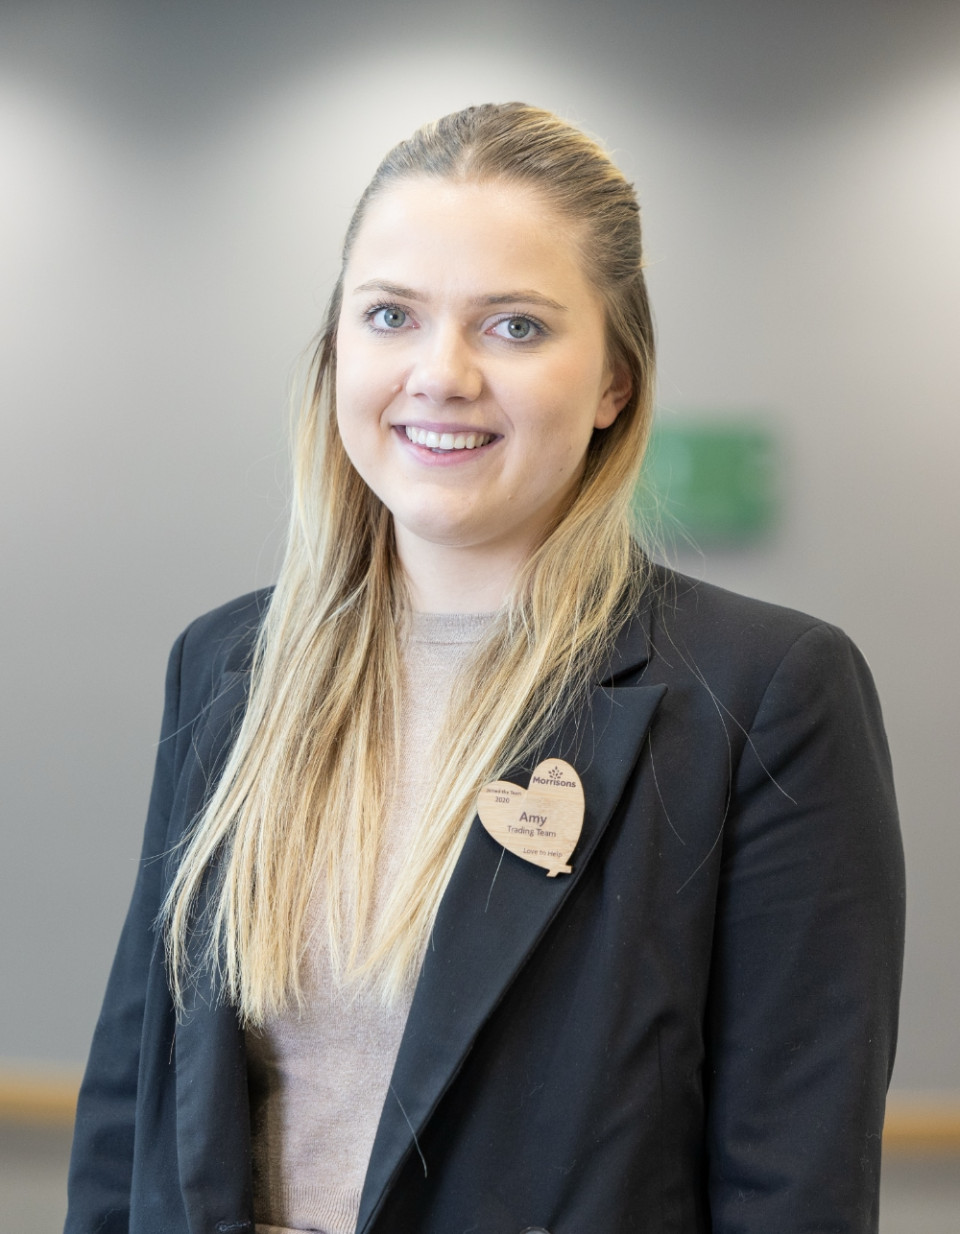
x=534, y=1229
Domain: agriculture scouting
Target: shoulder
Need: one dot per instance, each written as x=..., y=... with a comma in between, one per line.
x=738, y=653
x=720, y=627
x=227, y=633
x=214, y=646
x=704, y=610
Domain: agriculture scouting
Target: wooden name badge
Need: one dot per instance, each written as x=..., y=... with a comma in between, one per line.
x=541, y=823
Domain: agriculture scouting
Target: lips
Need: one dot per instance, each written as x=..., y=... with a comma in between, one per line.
x=447, y=441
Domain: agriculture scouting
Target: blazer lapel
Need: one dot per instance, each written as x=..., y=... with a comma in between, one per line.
x=496, y=909
x=213, y=1117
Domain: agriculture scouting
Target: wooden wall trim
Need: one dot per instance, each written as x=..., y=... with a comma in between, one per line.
x=39, y=1096
x=921, y=1123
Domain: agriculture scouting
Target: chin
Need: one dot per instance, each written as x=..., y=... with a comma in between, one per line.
x=445, y=528
x=445, y=535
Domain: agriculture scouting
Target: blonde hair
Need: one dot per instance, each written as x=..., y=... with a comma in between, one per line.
x=300, y=801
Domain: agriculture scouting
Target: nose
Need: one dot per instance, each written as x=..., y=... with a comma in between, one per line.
x=445, y=368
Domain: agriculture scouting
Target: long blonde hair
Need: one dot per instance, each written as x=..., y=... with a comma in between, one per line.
x=300, y=801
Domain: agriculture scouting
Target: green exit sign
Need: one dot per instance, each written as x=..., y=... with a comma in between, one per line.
x=715, y=479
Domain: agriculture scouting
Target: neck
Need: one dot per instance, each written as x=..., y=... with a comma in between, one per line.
x=448, y=579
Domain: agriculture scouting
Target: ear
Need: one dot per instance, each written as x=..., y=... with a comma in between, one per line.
x=614, y=398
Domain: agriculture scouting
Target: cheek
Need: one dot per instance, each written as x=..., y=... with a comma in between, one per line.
x=353, y=398
x=352, y=418
x=365, y=387
x=560, y=418
x=572, y=386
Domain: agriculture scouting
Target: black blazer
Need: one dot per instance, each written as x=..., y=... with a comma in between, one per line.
x=691, y=1032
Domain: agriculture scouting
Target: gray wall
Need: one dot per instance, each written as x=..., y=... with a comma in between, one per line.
x=175, y=180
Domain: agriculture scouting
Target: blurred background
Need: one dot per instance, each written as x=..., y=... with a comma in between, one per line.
x=175, y=180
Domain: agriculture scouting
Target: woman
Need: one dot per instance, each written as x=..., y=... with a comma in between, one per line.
x=341, y=1001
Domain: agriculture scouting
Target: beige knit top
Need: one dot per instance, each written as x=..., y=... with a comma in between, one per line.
x=318, y=1081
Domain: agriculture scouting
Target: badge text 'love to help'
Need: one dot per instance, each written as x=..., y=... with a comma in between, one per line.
x=541, y=823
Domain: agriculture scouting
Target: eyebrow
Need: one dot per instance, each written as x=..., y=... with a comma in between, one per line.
x=524, y=295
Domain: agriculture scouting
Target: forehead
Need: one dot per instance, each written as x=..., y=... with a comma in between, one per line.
x=459, y=230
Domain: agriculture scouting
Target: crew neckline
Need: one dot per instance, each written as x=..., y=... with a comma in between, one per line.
x=449, y=627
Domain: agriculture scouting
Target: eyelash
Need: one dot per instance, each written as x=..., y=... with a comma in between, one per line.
x=371, y=313
x=538, y=325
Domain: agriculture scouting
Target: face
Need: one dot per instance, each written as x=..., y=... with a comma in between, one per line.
x=471, y=364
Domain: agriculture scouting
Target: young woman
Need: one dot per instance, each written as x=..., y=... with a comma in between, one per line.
x=342, y=1000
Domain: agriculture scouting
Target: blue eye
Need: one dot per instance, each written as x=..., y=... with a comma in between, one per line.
x=387, y=317
x=519, y=328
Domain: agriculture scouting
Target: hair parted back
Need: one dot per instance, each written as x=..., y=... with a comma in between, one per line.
x=298, y=807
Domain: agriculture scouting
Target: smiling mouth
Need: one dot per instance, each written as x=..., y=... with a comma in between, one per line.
x=447, y=441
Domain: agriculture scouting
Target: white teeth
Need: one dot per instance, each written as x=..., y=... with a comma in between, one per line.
x=446, y=441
